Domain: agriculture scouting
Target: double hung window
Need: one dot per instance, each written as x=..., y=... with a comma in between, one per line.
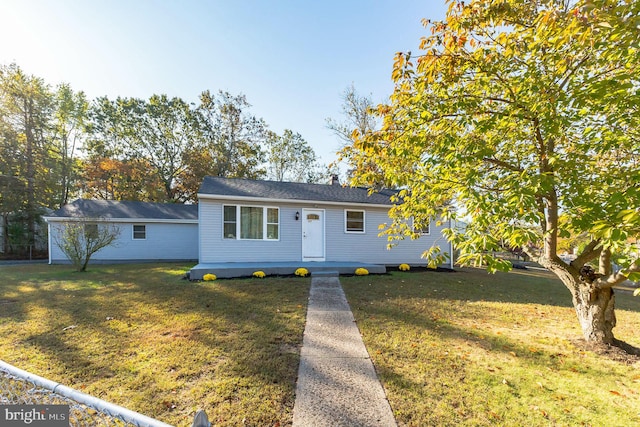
x=139, y=232
x=354, y=221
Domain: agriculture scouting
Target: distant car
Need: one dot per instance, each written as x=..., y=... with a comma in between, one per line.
x=568, y=257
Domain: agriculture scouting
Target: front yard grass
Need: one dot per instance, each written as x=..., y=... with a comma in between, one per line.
x=462, y=348
x=469, y=348
x=138, y=336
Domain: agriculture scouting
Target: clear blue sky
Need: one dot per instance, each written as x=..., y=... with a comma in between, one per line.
x=292, y=59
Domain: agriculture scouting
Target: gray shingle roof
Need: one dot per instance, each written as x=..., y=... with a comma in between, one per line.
x=111, y=209
x=276, y=190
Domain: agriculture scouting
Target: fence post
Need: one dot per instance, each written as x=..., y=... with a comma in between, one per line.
x=201, y=420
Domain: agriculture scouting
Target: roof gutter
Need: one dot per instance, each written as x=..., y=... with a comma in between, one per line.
x=50, y=219
x=263, y=200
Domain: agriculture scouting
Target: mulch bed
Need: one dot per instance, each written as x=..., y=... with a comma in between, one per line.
x=619, y=351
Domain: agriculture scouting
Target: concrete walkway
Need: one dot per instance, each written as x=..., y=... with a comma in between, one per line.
x=337, y=384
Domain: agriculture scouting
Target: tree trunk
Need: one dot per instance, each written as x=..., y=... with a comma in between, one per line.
x=595, y=310
x=30, y=159
x=5, y=233
x=594, y=305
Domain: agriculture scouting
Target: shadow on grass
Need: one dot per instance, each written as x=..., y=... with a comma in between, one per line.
x=122, y=318
x=470, y=284
x=457, y=294
x=517, y=286
x=468, y=348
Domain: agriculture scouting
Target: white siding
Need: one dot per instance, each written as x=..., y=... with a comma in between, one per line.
x=214, y=248
x=372, y=248
x=164, y=241
x=339, y=245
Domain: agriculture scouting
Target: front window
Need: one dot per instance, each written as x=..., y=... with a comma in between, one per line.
x=251, y=223
x=354, y=221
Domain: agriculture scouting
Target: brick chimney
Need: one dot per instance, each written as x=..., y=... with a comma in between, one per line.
x=335, y=180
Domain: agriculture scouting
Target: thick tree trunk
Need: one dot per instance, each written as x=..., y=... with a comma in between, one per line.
x=594, y=304
x=595, y=310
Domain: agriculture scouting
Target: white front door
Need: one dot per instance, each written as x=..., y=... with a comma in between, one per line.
x=312, y=235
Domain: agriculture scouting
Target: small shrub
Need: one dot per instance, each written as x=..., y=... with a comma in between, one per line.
x=302, y=272
x=404, y=267
x=361, y=271
x=259, y=274
x=209, y=277
x=79, y=240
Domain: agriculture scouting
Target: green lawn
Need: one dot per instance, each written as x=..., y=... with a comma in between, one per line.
x=463, y=348
x=138, y=336
x=468, y=348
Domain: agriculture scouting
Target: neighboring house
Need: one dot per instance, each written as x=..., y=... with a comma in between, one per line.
x=268, y=221
x=148, y=231
x=17, y=246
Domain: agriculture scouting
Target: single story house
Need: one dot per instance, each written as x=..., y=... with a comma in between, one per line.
x=147, y=231
x=245, y=220
x=253, y=222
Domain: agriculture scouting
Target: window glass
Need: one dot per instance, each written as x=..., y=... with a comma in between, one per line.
x=272, y=215
x=251, y=223
x=255, y=222
x=272, y=223
x=355, y=221
x=139, y=231
x=91, y=231
x=421, y=228
x=229, y=231
x=272, y=231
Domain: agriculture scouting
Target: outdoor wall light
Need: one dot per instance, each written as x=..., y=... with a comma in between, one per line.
x=297, y=216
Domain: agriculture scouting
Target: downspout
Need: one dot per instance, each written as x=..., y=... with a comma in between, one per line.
x=48, y=239
x=199, y=231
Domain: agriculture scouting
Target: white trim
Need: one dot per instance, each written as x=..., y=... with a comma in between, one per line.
x=290, y=201
x=50, y=219
x=236, y=222
x=265, y=225
x=364, y=221
x=199, y=236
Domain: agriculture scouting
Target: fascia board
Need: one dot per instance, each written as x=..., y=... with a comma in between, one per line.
x=266, y=201
x=122, y=220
